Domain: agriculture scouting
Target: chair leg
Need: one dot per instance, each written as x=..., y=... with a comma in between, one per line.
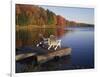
x=56, y=47
x=49, y=47
x=60, y=45
x=37, y=45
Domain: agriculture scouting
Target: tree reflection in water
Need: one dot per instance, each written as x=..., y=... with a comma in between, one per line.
x=29, y=38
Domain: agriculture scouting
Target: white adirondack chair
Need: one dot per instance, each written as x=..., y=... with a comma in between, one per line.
x=53, y=42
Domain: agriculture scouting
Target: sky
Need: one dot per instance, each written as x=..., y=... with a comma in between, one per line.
x=84, y=15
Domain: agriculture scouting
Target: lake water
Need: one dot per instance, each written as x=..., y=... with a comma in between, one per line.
x=82, y=43
x=80, y=39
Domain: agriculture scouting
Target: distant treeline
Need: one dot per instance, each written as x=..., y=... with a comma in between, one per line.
x=72, y=23
x=35, y=15
x=85, y=25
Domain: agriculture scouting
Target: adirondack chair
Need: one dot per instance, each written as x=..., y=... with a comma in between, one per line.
x=53, y=42
x=42, y=41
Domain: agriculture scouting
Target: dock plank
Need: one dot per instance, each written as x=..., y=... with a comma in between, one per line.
x=42, y=54
x=23, y=56
x=52, y=54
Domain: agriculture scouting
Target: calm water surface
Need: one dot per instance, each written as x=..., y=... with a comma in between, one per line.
x=82, y=43
x=81, y=40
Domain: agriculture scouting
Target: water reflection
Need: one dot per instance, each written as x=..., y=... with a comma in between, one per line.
x=27, y=37
x=28, y=65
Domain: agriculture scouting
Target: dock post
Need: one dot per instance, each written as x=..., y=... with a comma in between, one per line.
x=36, y=61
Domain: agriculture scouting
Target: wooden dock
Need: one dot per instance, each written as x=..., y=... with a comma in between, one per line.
x=42, y=55
x=24, y=55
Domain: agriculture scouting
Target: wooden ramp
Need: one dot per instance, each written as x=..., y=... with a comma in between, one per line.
x=24, y=55
x=43, y=55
